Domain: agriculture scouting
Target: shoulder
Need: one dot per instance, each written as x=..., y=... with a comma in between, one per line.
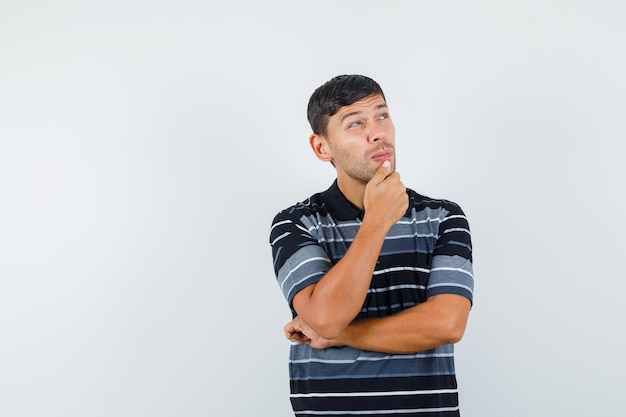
x=422, y=203
x=300, y=218
x=305, y=208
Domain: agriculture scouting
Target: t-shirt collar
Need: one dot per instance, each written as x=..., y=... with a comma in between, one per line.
x=340, y=207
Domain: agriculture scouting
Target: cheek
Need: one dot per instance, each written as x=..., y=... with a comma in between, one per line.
x=392, y=132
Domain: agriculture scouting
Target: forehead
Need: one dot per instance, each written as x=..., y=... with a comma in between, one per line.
x=367, y=104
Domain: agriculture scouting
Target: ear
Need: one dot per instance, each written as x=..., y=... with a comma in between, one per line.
x=319, y=144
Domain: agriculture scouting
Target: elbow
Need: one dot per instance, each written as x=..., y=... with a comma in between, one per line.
x=453, y=330
x=451, y=313
x=455, y=336
x=327, y=325
x=328, y=330
x=323, y=319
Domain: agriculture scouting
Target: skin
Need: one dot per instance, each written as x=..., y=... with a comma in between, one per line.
x=360, y=141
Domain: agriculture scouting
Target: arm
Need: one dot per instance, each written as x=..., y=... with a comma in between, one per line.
x=440, y=320
x=333, y=302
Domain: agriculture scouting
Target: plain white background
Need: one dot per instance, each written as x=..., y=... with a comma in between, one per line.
x=146, y=146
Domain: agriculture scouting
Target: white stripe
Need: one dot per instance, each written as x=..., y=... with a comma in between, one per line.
x=396, y=287
x=313, y=360
x=280, y=237
x=416, y=356
x=295, y=284
x=317, y=258
x=448, y=284
x=426, y=220
x=457, y=229
x=373, y=394
x=339, y=226
x=455, y=216
x=444, y=268
x=410, y=236
x=304, y=229
x=320, y=240
x=279, y=223
x=401, y=268
x=395, y=237
x=374, y=359
x=352, y=224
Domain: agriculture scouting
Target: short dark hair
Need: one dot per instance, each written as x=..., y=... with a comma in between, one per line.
x=338, y=92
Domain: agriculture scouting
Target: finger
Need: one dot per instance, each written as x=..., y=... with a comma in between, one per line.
x=299, y=338
x=395, y=175
x=382, y=172
x=289, y=330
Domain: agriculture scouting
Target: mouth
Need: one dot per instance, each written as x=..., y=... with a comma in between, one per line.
x=382, y=156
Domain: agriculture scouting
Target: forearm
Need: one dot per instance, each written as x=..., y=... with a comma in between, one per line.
x=331, y=304
x=441, y=320
x=334, y=301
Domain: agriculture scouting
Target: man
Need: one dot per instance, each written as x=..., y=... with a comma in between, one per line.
x=378, y=277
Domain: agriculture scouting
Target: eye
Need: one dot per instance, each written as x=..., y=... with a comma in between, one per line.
x=383, y=116
x=354, y=124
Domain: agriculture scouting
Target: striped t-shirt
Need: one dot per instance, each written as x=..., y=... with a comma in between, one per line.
x=427, y=252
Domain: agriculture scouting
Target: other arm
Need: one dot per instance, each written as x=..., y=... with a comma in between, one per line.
x=440, y=320
x=333, y=302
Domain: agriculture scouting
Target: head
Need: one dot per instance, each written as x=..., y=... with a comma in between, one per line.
x=338, y=92
x=351, y=127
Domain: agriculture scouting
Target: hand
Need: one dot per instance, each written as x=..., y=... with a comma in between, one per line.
x=298, y=331
x=385, y=196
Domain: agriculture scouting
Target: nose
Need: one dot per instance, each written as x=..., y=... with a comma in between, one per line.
x=375, y=134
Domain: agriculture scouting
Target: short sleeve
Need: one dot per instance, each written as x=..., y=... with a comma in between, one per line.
x=299, y=260
x=452, y=269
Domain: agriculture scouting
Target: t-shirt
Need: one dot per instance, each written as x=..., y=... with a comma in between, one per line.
x=427, y=252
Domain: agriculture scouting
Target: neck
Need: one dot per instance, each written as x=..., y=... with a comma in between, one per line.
x=353, y=190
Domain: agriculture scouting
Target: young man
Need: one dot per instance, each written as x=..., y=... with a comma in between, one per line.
x=378, y=277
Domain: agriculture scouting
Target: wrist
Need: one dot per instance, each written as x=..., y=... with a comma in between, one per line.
x=376, y=223
x=345, y=337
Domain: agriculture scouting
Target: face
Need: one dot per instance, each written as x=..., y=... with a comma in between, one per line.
x=359, y=138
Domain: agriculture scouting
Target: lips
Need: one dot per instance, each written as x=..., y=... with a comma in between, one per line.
x=382, y=156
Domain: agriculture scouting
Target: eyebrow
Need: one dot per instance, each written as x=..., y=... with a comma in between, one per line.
x=353, y=113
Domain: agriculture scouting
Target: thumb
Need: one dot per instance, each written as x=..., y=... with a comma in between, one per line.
x=382, y=172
